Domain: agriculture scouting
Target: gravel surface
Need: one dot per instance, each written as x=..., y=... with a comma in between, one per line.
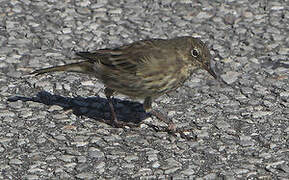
x=51, y=125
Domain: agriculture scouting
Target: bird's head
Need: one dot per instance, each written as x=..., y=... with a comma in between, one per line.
x=200, y=55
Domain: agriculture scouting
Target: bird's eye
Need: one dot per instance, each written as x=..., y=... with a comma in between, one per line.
x=195, y=53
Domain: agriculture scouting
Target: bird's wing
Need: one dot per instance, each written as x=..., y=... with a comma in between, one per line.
x=126, y=58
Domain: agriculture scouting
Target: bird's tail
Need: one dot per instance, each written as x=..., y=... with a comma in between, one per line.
x=81, y=67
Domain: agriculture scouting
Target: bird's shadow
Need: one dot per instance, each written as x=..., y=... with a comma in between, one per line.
x=92, y=107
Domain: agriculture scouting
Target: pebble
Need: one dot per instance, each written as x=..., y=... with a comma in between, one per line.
x=230, y=76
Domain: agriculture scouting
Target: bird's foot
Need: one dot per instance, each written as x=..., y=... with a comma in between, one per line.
x=120, y=124
x=172, y=129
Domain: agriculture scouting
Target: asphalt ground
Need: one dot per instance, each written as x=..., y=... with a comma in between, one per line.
x=51, y=126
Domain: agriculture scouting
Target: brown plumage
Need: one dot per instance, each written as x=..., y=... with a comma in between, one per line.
x=144, y=69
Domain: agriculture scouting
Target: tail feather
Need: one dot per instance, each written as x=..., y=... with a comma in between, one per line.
x=80, y=67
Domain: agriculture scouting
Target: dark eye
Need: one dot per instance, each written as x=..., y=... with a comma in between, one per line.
x=195, y=53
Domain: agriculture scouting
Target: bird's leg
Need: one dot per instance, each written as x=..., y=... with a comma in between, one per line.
x=148, y=108
x=171, y=126
x=108, y=93
x=114, y=121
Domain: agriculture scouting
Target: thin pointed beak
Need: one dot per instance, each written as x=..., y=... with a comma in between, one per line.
x=210, y=70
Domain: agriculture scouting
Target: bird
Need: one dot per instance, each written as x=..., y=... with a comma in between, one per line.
x=145, y=69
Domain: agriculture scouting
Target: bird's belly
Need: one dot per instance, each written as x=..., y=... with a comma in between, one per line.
x=152, y=85
x=157, y=87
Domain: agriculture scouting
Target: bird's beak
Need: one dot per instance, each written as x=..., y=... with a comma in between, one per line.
x=209, y=68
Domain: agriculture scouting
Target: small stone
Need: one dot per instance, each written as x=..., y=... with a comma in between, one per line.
x=95, y=153
x=83, y=3
x=87, y=83
x=131, y=158
x=247, y=14
x=144, y=172
x=152, y=157
x=85, y=176
x=285, y=95
x=66, y=30
x=204, y=15
x=116, y=11
x=80, y=143
x=190, y=171
x=156, y=164
x=31, y=177
x=230, y=77
x=260, y=114
x=246, y=141
x=15, y=161
x=172, y=170
x=67, y=158
x=35, y=170
x=277, y=8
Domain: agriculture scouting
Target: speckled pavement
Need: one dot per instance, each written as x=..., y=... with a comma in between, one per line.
x=51, y=126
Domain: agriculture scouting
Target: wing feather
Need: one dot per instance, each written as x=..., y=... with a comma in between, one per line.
x=127, y=58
